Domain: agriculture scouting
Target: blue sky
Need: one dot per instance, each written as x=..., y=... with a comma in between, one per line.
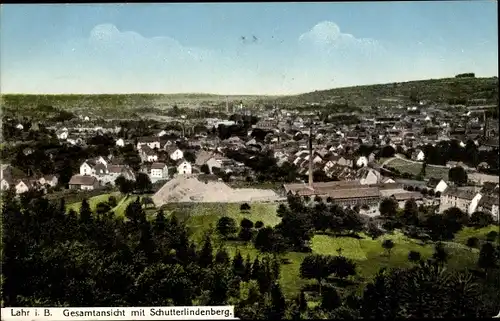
x=241, y=48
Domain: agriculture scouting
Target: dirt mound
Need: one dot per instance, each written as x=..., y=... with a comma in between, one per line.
x=183, y=189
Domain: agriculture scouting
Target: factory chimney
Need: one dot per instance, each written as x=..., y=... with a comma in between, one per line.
x=310, y=158
x=485, y=125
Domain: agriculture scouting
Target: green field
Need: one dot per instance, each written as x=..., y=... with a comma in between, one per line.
x=119, y=209
x=93, y=201
x=367, y=253
x=201, y=216
x=415, y=168
x=462, y=236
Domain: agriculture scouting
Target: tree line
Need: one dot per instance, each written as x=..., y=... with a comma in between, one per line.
x=55, y=257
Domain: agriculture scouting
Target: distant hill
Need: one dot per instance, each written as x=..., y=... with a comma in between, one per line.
x=110, y=104
x=458, y=90
x=463, y=89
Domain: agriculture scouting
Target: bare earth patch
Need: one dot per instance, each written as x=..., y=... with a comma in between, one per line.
x=184, y=189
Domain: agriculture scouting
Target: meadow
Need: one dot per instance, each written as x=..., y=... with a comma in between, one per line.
x=367, y=253
x=414, y=168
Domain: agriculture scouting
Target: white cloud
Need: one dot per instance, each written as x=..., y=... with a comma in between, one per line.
x=107, y=45
x=328, y=35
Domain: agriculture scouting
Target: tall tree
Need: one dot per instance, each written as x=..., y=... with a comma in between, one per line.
x=388, y=208
x=278, y=304
x=488, y=258
x=388, y=245
x=206, y=254
x=316, y=266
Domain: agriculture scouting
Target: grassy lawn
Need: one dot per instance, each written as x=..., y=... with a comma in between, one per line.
x=414, y=169
x=462, y=236
x=367, y=253
x=93, y=201
x=201, y=216
x=119, y=209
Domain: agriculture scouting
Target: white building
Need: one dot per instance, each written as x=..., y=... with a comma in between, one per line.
x=441, y=187
x=175, y=153
x=87, y=168
x=120, y=142
x=159, y=171
x=362, y=161
x=83, y=182
x=465, y=200
x=151, y=142
x=184, y=168
x=21, y=187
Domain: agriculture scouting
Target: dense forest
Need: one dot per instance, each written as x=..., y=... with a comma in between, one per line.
x=52, y=257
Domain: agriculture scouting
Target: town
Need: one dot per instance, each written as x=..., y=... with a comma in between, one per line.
x=416, y=151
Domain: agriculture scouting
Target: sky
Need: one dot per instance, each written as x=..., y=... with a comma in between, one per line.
x=241, y=48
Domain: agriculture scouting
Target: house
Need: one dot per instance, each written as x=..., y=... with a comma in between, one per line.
x=161, y=133
x=4, y=184
x=120, y=142
x=159, y=171
x=22, y=186
x=214, y=162
x=174, y=153
x=151, y=142
x=402, y=198
x=100, y=169
x=362, y=161
x=345, y=161
x=368, y=176
x=147, y=154
x=87, y=168
x=489, y=204
x=464, y=199
x=441, y=187
x=73, y=140
x=50, y=180
x=184, y=167
x=83, y=182
x=62, y=134
x=114, y=171
x=418, y=155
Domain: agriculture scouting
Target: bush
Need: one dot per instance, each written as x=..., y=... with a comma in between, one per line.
x=472, y=242
x=246, y=223
x=414, y=256
x=410, y=188
x=481, y=219
x=491, y=236
x=245, y=234
x=245, y=207
x=112, y=201
x=259, y=224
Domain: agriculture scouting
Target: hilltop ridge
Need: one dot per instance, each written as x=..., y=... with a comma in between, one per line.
x=461, y=90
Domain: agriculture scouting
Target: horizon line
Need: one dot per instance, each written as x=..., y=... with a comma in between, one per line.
x=238, y=95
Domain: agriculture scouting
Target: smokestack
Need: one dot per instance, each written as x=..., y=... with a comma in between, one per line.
x=227, y=106
x=485, y=125
x=310, y=158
